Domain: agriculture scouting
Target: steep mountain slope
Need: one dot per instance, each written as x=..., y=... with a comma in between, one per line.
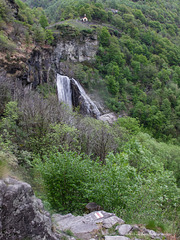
x=128, y=56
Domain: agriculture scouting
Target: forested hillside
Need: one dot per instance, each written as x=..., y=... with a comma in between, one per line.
x=138, y=58
x=130, y=167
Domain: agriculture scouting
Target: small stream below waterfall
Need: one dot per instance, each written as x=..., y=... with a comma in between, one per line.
x=73, y=94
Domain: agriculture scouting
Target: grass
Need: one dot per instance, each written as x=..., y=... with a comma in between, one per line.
x=112, y=230
x=153, y=225
x=64, y=238
x=69, y=232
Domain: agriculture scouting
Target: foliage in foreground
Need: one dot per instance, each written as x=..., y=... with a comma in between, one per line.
x=130, y=178
x=137, y=193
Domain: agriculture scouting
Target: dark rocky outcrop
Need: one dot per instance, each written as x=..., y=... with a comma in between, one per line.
x=21, y=214
x=41, y=67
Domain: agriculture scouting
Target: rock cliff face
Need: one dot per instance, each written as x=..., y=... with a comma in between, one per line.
x=21, y=214
x=78, y=49
x=42, y=64
x=45, y=63
x=36, y=65
x=40, y=67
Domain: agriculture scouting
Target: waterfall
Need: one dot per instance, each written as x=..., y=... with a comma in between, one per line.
x=72, y=93
x=80, y=98
x=64, y=90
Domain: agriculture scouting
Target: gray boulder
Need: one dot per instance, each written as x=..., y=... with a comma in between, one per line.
x=150, y=232
x=135, y=228
x=21, y=213
x=153, y=234
x=124, y=229
x=111, y=221
x=109, y=117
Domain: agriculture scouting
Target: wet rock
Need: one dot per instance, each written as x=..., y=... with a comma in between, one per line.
x=81, y=99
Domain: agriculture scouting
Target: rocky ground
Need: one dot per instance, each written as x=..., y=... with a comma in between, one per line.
x=102, y=225
x=22, y=216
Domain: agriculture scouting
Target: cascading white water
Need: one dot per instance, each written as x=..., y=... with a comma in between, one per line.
x=75, y=96
x=64, y=90
x=87, y=105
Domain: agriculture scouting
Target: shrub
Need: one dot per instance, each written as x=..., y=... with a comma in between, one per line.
x=39, y=34
x=5, y=43
x=49, y=36
x=66, y=176
x=131, y=124
x=4, y=10
x=43, y=21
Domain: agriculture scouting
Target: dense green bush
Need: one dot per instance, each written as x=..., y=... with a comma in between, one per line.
x=43, y=21
x=167, y=154
x=67, y=177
